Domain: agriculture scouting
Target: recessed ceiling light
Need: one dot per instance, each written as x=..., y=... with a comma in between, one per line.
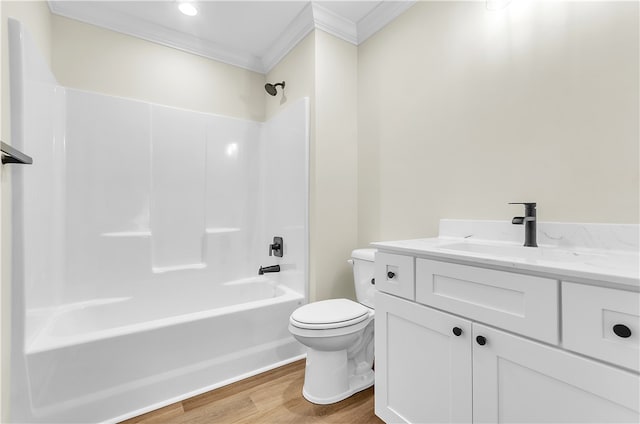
x=187, y=8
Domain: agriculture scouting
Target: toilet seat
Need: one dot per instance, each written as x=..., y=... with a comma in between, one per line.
x=327, y=314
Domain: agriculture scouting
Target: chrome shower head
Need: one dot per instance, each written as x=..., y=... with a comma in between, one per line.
x=271, y=88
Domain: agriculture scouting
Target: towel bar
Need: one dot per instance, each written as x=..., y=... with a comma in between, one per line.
x=11, y=155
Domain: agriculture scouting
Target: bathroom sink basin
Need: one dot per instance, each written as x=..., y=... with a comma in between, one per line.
x=509, y=251
x=590, y=253
x=591, y=263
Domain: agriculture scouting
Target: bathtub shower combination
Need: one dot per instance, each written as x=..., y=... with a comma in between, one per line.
x=138, y=234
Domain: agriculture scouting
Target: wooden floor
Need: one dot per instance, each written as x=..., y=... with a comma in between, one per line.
x=272, y=397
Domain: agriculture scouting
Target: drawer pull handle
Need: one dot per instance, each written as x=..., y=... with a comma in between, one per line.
x=622, y=330
x=457, y=331
x=481, y=340
x=391, y=274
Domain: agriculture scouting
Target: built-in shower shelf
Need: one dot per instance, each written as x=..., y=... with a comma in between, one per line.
x=163, y=269
x=222, y=230
x=127, y=234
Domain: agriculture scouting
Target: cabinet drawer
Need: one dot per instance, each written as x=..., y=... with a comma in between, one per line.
x=521, y=303
x=395, y=274
x=589, y=315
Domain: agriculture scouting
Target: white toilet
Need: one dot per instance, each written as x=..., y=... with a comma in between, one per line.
x=338, y=334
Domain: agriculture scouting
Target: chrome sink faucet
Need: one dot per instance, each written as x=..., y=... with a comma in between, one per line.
x=529, y=221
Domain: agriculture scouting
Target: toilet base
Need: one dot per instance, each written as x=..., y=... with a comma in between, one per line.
x=329, y=377
x=357, y=383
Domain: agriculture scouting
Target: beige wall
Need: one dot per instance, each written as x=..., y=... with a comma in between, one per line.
x=297, y=69
x=96, y=59
x=324, y=68
x=35, y=14
x=335, y=157
x=462, y=110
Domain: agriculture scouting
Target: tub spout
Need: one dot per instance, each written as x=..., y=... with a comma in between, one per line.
x=272, y=268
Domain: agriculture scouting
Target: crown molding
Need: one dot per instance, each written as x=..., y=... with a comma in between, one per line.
x=379, y=17
x=140, y=28
x=334, y=24
x=295, y=32
x=313, y=16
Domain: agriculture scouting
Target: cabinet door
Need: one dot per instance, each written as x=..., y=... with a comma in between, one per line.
x=423, y=370
x=518, y=380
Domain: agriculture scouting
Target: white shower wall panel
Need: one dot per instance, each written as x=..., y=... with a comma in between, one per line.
x=108, y=174
x=37, y=233
x=232, y=198
x=42, y=101
x=232, y=176
x=108, y=149
x=284, y=182
x=44, y=237
x=178, y=188
x=154, y=190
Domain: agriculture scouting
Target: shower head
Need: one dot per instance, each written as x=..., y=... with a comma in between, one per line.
x=271, y=88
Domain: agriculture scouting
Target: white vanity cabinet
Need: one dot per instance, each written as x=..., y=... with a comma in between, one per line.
x=423, y=370
x=519, y=380
x=485, y=345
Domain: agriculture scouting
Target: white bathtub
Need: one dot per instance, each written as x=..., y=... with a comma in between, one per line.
x=110, y=359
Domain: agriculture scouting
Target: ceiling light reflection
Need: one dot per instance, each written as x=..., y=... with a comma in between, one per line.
x=232, y=150
x=187, y=8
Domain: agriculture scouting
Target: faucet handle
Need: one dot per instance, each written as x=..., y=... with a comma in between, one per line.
x=276, y=247
x=527, y=204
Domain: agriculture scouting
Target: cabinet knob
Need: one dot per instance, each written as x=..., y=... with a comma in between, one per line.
x=622, y=330
x=457, y=331
x=481, y=340
x=373, y=281
x=391, y=274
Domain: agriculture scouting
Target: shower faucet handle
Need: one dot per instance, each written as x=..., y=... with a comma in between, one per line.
x=274, y=248
x=277, y=247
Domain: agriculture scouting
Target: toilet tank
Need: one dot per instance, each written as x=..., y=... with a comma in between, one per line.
x=363, y=272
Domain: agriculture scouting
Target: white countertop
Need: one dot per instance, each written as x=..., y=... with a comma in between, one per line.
x=615, y=264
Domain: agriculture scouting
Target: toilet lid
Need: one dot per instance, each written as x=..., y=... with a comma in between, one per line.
x=329, y=314
x=364, y=254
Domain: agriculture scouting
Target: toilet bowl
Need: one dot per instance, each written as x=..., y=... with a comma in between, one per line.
x=338, y=334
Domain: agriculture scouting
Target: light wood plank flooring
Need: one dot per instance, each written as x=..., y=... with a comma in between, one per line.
x=271, y=397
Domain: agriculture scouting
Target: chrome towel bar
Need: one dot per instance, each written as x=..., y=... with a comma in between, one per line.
x=11, y=155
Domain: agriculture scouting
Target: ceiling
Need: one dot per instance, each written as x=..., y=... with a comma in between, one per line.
x=254, y=35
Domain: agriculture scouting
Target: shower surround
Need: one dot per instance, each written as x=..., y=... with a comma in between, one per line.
x=138, y=234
